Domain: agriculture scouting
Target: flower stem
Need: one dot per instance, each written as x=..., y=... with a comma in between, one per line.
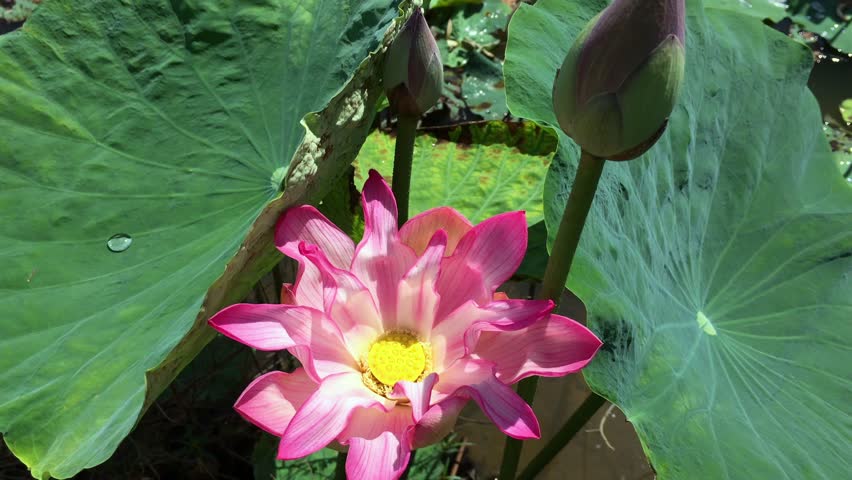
x=573, y=220
x=580, y=417
x=406, y=132
x=340, y=468
x=409, y=466
x=512, y=450
x=561, y=256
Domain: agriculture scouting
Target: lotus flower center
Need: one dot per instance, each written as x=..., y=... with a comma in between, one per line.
x=395, y=356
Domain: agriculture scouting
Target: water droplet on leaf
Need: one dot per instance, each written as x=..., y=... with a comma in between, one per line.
x=119, y=242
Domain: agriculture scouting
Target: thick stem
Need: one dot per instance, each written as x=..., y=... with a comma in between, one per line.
x=340, y=468
x=561, y=256
x=513, y=446
x=571, y=226
x=580, y=417
x=410, y=465
x=406, y=132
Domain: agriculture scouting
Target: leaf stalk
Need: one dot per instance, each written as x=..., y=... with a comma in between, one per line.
x=580, y=417
x=406, y=133
x=340, y=467
x=558, y=267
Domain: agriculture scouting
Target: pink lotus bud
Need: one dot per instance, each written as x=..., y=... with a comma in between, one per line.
x=620, y=80
x=414, y=73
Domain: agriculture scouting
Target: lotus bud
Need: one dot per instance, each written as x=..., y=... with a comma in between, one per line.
x=620, y=80
x=414, y=73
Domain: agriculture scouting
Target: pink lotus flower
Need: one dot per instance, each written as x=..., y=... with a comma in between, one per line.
x=396, y=334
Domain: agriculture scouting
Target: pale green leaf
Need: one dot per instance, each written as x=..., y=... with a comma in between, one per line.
x=716, y=268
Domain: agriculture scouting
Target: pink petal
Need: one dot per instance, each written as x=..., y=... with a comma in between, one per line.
x=418, y=231
x=261, y=326
x=363, y=322
x=418, y=300
x=381, y=259
x=438, y=421
x=306, y=224
x=499, y=402
x=346, y=301
x=337, y=284
x=506, y=316
x=551, y=347
x=271, y=400
x=458, y=283
x=417, y=393
x=307, y=291
x=457, y=333
x=380, y=214
x=379, y=443
x=325, y=414
x=495, y=247
x=306, y=332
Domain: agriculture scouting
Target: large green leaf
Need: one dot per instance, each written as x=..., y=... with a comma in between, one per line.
x=173, y=123
x=717, y=266
x=502, y=169
x=823, y=17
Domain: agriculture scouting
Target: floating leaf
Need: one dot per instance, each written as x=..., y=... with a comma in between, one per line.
x=471, y=49
x=716, y=267
x=826, y=18
x=480, y=27
x=483, y=89
x=453, y=3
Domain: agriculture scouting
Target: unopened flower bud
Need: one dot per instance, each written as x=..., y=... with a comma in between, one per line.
x=414, y=74
x=620, y=80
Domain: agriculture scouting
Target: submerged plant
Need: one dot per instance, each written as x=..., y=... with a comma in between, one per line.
x=396, y=334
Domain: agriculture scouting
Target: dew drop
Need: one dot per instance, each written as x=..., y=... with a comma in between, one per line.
x=119, y=242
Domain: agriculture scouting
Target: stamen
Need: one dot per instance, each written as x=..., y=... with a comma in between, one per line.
x=397, y=355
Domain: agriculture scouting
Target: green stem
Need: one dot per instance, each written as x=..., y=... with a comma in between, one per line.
x=571, y=227
x=513, y=446
x=556, y=273
x=406, y=132
x=340, y=468
x=580, y=417
x=410, y=465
